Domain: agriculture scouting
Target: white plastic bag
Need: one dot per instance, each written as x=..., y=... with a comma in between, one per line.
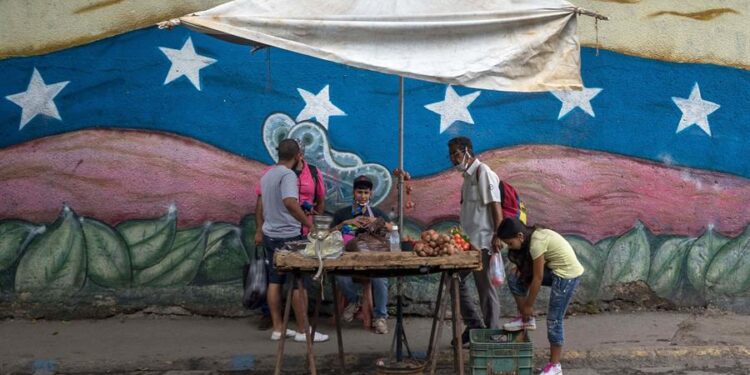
x=330, y=248
x=497, y=270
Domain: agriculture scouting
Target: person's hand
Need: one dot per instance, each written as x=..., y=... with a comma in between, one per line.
x=258, y=237
x=364, y=220
x=497, y=245
x=527, y=312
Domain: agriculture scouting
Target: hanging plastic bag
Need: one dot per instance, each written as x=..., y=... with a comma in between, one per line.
x=497, y=270
x=255, y=280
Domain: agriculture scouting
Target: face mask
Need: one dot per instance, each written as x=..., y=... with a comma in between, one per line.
x=462, y=166
x=360, y=208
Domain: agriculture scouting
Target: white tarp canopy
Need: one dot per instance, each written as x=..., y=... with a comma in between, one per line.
x=506, y=45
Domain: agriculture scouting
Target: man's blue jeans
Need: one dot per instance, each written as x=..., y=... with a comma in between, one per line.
x=379, y=293
x=559, y=299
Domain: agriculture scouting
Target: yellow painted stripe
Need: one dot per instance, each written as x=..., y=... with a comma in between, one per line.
x=694, y=31
x=39, y=27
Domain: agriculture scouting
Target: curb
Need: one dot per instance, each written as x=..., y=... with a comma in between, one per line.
x=682, y=355
x=363, y=362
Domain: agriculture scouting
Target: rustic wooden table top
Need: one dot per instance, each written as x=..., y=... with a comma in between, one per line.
x=380, y=263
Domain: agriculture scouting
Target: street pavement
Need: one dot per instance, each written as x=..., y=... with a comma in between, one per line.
x=700, y=342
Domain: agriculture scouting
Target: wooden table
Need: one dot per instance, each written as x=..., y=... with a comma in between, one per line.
x=381, y=264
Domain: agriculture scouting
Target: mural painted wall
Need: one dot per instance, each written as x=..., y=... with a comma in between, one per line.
x=128, y=165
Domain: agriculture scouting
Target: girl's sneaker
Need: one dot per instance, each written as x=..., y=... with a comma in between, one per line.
x=276, y=336
x=517, y=324
x=552, y=369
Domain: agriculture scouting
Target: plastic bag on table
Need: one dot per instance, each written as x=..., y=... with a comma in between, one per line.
x=497, y=270
x=255, y=280
x=330, y=247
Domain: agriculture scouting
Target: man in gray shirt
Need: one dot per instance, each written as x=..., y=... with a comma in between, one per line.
x=282, y=220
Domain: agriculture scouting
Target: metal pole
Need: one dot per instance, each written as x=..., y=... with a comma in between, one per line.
x=399, y=302
x=401, y=155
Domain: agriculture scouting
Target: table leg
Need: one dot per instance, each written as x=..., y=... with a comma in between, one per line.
x=316, y=313
x=284, y=326
x=435, y=316
x=337, y=321
x=458, y=354
x=308, y=334
x=442, y=308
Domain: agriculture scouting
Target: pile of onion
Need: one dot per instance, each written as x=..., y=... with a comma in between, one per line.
x=434, y=244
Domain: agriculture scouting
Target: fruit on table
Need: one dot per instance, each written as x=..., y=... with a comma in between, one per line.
x=433, y=244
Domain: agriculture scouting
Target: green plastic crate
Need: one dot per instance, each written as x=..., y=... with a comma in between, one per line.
x=499, y=352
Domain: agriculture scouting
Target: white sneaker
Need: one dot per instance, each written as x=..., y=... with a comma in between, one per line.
x=319, y=337
x=276, y=336
x=517, y=324
x=380, y=326
x=349, y=311
x=552, y=369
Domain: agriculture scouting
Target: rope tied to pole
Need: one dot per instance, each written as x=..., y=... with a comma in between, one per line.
x=597, y=17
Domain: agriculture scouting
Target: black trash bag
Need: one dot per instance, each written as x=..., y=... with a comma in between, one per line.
x=255, y=280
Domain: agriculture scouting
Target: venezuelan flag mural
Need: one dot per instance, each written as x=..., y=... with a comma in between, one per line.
x=129, y=159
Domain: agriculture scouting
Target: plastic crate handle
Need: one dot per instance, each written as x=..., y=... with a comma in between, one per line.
x=513, y=353
x=490, y=371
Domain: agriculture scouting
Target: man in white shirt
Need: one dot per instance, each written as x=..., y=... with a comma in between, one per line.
x=481, y=213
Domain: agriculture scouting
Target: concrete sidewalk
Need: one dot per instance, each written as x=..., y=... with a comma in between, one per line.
x=156, y=343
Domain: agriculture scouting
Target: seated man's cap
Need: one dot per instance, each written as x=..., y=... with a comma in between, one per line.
x=362, y=182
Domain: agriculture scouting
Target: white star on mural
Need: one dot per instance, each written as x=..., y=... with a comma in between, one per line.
x=185, y=62
x=581, y=99
x=695, y=111
x=38, y=99
x=318, y=106
x=453, y=108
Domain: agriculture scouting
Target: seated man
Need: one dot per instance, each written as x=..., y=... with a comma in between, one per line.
x=350, y=220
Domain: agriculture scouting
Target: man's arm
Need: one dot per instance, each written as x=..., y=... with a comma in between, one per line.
x=497, y=216
x=292, y=205
x=536, y=283
x=258, y=221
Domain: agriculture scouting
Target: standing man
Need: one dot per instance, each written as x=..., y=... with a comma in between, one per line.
x=481, y=214
x=312, y=198
x=283, y=219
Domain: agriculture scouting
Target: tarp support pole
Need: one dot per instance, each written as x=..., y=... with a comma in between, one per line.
x=399, y=307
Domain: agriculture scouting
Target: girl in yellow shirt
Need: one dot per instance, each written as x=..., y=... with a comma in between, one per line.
x=542, y=257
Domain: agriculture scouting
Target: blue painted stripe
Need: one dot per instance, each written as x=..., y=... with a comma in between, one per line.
x=118, y=82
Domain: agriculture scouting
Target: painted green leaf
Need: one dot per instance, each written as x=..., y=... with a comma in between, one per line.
x=149, y=241
x=15, y=235
x=445, y=226
x=629, y=258
x=216, y=233
x=411, y=229
x=180, y=265
x=729, y=271
x=107, y=255
x=55, y=259
x=667, y=266
x=592, y=260
x=247, y=225
x=605, y=245
x=700, y=254
x=224, y=257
